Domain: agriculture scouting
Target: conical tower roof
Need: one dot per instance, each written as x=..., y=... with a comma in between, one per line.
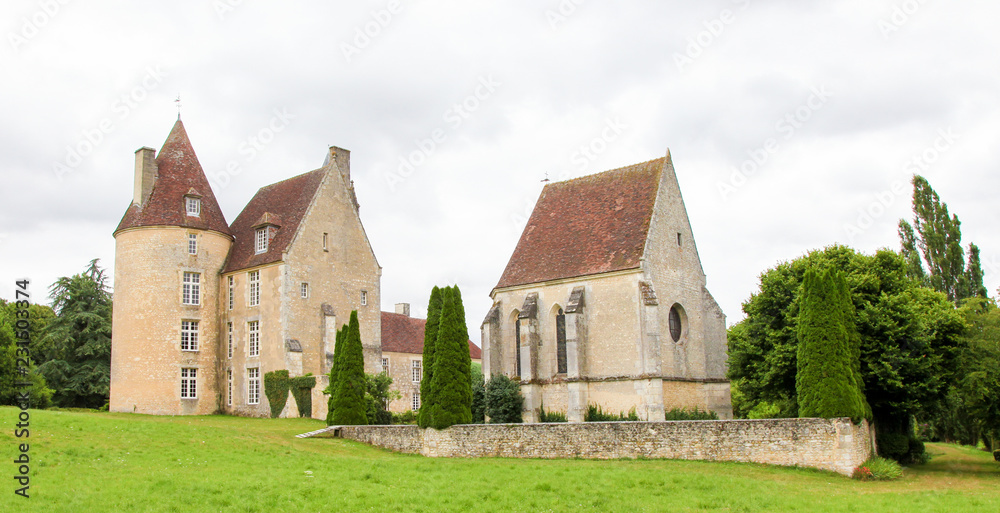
x=179, y=175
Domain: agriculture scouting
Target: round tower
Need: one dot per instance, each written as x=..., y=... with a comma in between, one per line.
x=170, y=248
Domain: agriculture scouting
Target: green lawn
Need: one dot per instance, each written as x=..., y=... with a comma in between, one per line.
x=84, y=461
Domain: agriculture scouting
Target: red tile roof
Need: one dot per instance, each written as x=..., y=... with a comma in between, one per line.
x=179, y=173
x=405, y=334
x=281, y=204
x=588, y=225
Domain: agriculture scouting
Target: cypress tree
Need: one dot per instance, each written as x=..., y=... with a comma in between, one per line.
x=349, y=401
x=451, y=382
x=430, y=338
x=338, y=348
x=827, y=382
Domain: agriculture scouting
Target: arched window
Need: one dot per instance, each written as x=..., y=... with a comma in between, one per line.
x=561, y=341
x=675, y=323
x=517, y=344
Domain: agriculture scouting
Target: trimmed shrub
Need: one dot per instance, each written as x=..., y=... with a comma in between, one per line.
x=878, y=469
x=996, y=455
x=695, y=414
x=596, y=414
x=338, y=348
x=349, y=399
x=893, y=445
x=826, y=382
x=276, y=389
x=504, y=401
x=302, y=392
x=451, y=384
x=430, y=339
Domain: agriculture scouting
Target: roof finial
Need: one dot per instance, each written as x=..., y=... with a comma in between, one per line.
x=178, y=102
x=546, y=179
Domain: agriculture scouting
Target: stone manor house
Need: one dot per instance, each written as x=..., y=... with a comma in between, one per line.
x=603, y=301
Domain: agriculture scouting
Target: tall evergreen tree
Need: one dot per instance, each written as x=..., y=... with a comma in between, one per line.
x=451, y=383
x=338, y=348
x=467, y=357
x=349, y=402
x=827, y=382
x=78, y=367
x=938, y=237
x=430, y=339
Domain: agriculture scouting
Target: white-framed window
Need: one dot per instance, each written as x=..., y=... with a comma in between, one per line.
x=229, y=392
x=253, y=286
x=416, y=368
x=229, y=345
x=232, y=294
x=191, y=292
x=189, y=335
x=416, y=400
x=364, y=297
x=192, y=243
x=253, y=338
x=193, y=206
x=253, y=385
x=260, y=240
x=385, y=365
x=325, y=240
x=304, y=290
x=189, y=383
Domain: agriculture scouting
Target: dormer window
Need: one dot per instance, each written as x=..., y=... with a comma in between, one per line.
x=193, y=205
x=261, y=240
x=265, y=228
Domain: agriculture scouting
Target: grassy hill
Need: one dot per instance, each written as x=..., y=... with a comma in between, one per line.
x=85, y=461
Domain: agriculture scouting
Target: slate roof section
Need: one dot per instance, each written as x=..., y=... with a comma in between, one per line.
x=179, y=173
x=588, y=225
x=284, y=203
x=405, y=334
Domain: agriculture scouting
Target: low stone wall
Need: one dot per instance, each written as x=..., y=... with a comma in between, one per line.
x=830, y=444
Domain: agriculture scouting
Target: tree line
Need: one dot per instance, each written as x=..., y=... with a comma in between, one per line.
x=70, y=345
x=919, y=336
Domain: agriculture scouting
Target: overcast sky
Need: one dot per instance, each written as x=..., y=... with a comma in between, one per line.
x=792, y=125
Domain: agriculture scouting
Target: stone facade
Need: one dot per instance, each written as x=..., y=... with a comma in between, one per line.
x=836, y=445
x=604, y=302
x=311, y=267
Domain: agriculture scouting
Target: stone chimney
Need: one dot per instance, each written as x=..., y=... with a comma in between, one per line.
x=343, y=159
x=403, y=308
x=145, y=174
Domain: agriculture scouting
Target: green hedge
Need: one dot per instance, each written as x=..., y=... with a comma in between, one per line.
x=302, y=392
x=596, y=414
x=276, y=389
x=695, y=414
